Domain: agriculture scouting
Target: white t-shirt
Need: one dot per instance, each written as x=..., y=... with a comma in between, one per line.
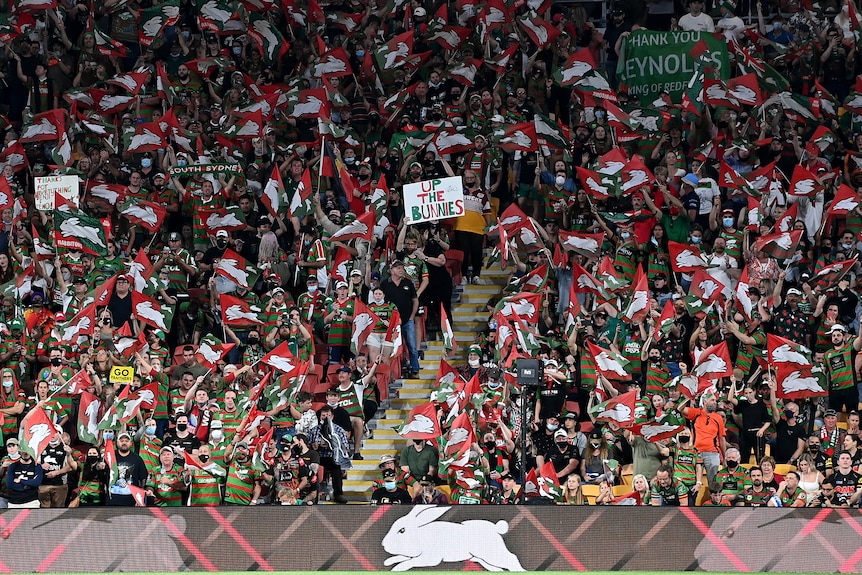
x=706, y=190
x=700, y=23
x=731, y=26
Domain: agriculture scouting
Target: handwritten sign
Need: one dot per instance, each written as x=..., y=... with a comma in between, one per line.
x=46, y=187
x=121, y=374
x=434, y=199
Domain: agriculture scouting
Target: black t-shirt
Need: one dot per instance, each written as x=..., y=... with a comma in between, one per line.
x=402, y=295
x=121, y=309
x=543, y=441
x=786, y=441
x=553, y=398
x=754, y=415
x=383, y=496
x=846, y=484
x=561, y=458
x=438, y=276
x=56, y=458
x=188, y=443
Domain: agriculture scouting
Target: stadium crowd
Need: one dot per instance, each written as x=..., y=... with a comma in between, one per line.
x=211, y=271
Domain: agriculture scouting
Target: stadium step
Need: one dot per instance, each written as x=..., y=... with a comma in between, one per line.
x=469, y=317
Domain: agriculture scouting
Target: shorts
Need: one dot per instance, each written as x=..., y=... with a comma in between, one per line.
x=375, y=339
x=528, y=192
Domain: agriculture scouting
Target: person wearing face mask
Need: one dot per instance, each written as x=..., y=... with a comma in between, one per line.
x=243, y=478
x=732, y=476
x=92, y=480
x=205, y=480
x=221, y=243
x=709, y=433
x=542, y=437
x=390, y=493
x=688, y=465
x=555, y=188
x=474, y=364
x=13, y=402
x=563, y=455
x=181, y=436
x=57, y=463
x=23, y=478
x=726, y=228
x=672, y=216
x=149, y=445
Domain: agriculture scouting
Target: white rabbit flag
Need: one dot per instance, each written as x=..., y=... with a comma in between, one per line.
x=422, y=423
x=461, y=437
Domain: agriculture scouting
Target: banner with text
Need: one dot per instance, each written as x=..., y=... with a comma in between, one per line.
x=45, y=187
x=656, y=62
x=434, y=200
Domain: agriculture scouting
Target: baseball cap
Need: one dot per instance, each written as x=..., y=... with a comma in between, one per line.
x=830, y=413
x=474, y=349
x=311, y=280
x=216, y=424
x=165, y=448
x=343, y=368
x=498, y=118
x=419, y=12
x=242, y=444
x=571, y=415
x=560, y=433
x=356, y=272
x=124, y=434
x=340, y=285
x=506, y=475
x=11, y=441
x=426, y=480
x=174, y=237
x=277, y=290
x=691, y=179
x=837, y=327
x=221, y=234
x=794, y=291
x=160, y=175
x=397, y=263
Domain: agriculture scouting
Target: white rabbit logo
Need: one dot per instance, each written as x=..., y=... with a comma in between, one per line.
x=418, y=540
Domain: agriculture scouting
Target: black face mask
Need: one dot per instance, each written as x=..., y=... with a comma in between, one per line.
x=221, y=244
x=684, y=438
x=93, y=459
x=490, y=445
x=253, y=341
x=296, y=450
x=825, y=249
x=182, y=426
x=732, y=465
x=204, y=458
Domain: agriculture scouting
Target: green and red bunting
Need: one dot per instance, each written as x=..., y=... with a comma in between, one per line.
x=588, y=245
x=274, y=196
x=360, y=228
x=364, y=321
x=269, y=40
x=237, y=269
x=803, y=183
x=449, y=342
x=395, y=53
x=214, y=15
x=36, y=432
x=525, y=305
x=685, y=258
x=619, y=410
x=550, y=133
x=575, y=67
x=79, y=328
x=422, y=423
x=76, y=231
x=540, y=31
x=153, y=21
x=780, y=245
x=148, y=214
x=148, y=137
x=149, y=311
x=333, y=63
x=237, y=312
x=110, y=456
x=610, y=364
x=786, y=352
x=714, y=362
x=45, y=127
x=639, y=304
x=211, y=350
x=520, y=138
x=88, y=418
x=800, y=382
x=312, y=103
x=461, y=437
x=230, y=219
x=282, y=359
x=131, y=82
x=846, y=200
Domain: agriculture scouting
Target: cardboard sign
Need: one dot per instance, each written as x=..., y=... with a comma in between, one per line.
x=45, y=187
x=121, y=374
x=437, y=199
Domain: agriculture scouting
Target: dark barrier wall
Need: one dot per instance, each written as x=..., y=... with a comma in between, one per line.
x=404, y=538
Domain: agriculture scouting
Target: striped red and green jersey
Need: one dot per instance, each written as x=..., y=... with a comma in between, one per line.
x=312, y=307
x=162, y=395
x=166, y=486
x=657, y=377
x=733, y=243
x=643, y=410
x=178, y=278
x=149, y=452
x=91, y=492
x=788, y=499
x=551, y=195
x=348, y=400
x=748, y=353
x=205, y=489
x=241, y=478
x=272, y=317
x=631, y=351
x=64, y=399
x=626, y=262
x=589, y=373
x=416, y=270
x=384, y=312
x=231, y=421
x=217, y=452
x=163, y=354
x=340, y=330
x=685, y=463
x=178, y=398
x=731, y=482
x=839, y=362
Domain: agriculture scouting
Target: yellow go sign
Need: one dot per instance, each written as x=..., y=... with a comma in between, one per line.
x=122, y=374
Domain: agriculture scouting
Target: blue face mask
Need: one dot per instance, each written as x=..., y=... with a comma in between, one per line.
x=151, y=430
x=728, y=222
x=146, y=163
x=695, y=239
x=108, y=435
x=390, y=485
x=181, y=163
x=360, y=53
x=625, y=235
